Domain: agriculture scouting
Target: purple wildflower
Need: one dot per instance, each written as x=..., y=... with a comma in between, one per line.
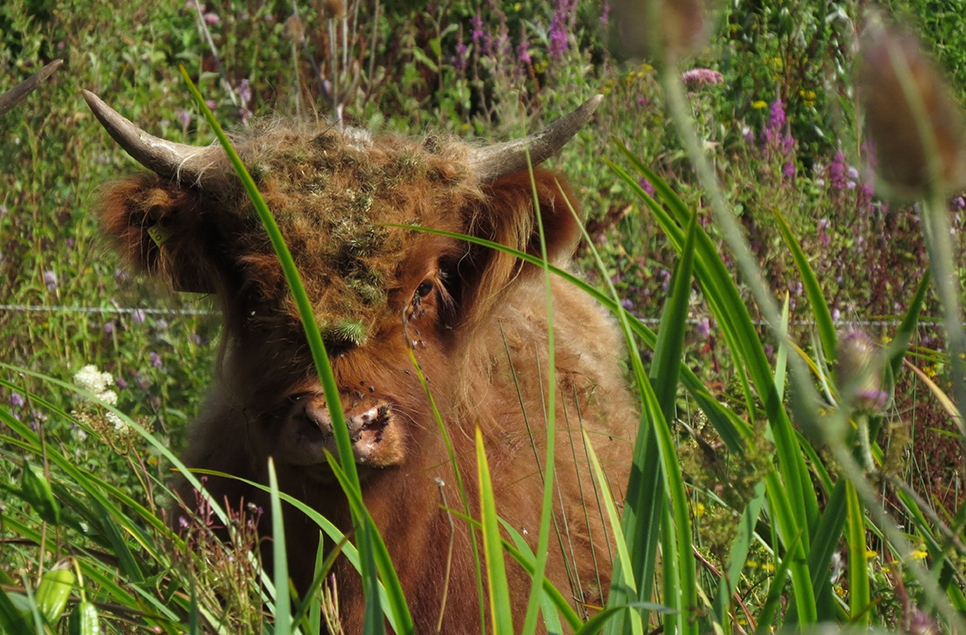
x=245, y=91
x=701, y=76
x=109, y=328
x=836, y=171
x=211, y=103
x=161, y=324
x=646, y=186
x=864, y=200
x=605, y=14
x=777, y=118
x=121, y=275
x=212, y=18
x=958, y=203
x=138, y=316
x=823, y=237
x=747, y=135
x=523, y=52
x=627, y=304
x=50, y=279
x=155, y=359
x=477, y=23
x=704, y=327
x=559, y=35
x=16, y=400
x=120, y=383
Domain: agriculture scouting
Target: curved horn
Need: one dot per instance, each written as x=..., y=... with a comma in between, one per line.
x=165, y=158
x=19, y=92
x=492, y=162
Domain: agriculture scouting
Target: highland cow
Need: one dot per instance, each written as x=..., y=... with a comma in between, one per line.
x=350, y=207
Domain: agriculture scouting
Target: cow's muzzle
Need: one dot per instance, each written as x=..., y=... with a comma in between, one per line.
x=374, y=430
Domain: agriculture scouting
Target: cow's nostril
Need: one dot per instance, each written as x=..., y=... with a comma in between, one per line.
x=319, y=417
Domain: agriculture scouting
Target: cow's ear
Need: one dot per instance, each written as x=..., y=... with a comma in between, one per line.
x=508, y=215
x=157, y=225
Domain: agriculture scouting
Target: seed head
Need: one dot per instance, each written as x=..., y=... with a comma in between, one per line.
x=859, y=373
x=911, y=117
x=671, y=29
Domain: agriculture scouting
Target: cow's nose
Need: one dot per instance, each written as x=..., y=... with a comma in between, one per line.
x=318, y=415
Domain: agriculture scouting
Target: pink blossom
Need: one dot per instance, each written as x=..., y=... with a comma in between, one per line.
x=699, y=76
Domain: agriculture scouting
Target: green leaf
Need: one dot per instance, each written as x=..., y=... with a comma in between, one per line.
x=816, y=299
x=283, y=612
x=11, y=621
x=421, y=56
x=501, y=614
x=859, y=592
x=907, y=328
x=35, y=490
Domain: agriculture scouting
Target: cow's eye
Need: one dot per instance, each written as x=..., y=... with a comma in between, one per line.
x=424, y=288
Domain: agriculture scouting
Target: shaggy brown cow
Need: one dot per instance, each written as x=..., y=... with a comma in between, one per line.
x=475, y=319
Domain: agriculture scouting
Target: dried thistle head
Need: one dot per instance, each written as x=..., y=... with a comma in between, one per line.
x=661, y=29
x=911, y=117
x=859, y=373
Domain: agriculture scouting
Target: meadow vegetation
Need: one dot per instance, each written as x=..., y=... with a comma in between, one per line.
x=785, y=482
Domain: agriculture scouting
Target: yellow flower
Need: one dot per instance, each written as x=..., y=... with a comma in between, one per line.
x=769, y=567
x=869, y=555
x=699, y=510
x=752, y=564
x=758, y=105
x=918, y=554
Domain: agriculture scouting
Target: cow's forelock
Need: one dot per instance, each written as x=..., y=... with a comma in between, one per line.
x=339, y=205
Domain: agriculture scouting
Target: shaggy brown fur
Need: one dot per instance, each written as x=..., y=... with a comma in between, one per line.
x=475, y=319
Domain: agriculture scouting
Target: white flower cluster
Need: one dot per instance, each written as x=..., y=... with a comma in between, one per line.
x=94, y=381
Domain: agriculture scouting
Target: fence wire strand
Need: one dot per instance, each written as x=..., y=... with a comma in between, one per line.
x=27, y=308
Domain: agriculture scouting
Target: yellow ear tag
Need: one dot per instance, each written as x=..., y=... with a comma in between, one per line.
x=159, y=234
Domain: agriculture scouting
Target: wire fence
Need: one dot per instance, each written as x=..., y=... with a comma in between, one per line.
x=28, y=308
x=110, y=310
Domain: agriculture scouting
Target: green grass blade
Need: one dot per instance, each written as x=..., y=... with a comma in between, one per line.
x=738, y=554
x=550, y=615
x=644, y=503
x=670, y=337
x=824, y=544
x=292, y=277
x=731, y=428
x=813, y=291
x=781, y=357
x=732, y=315
x=396, y=599
x=283, y=611
x=461, y=487
x=501, y=615
x=769, y=609
x=546, y=511
x=859, y=592
x=599, y=621
x=908, y=326
x=10, y=619
x=625, y=569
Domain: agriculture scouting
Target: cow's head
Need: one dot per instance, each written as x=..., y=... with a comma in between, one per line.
x=345, y=203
